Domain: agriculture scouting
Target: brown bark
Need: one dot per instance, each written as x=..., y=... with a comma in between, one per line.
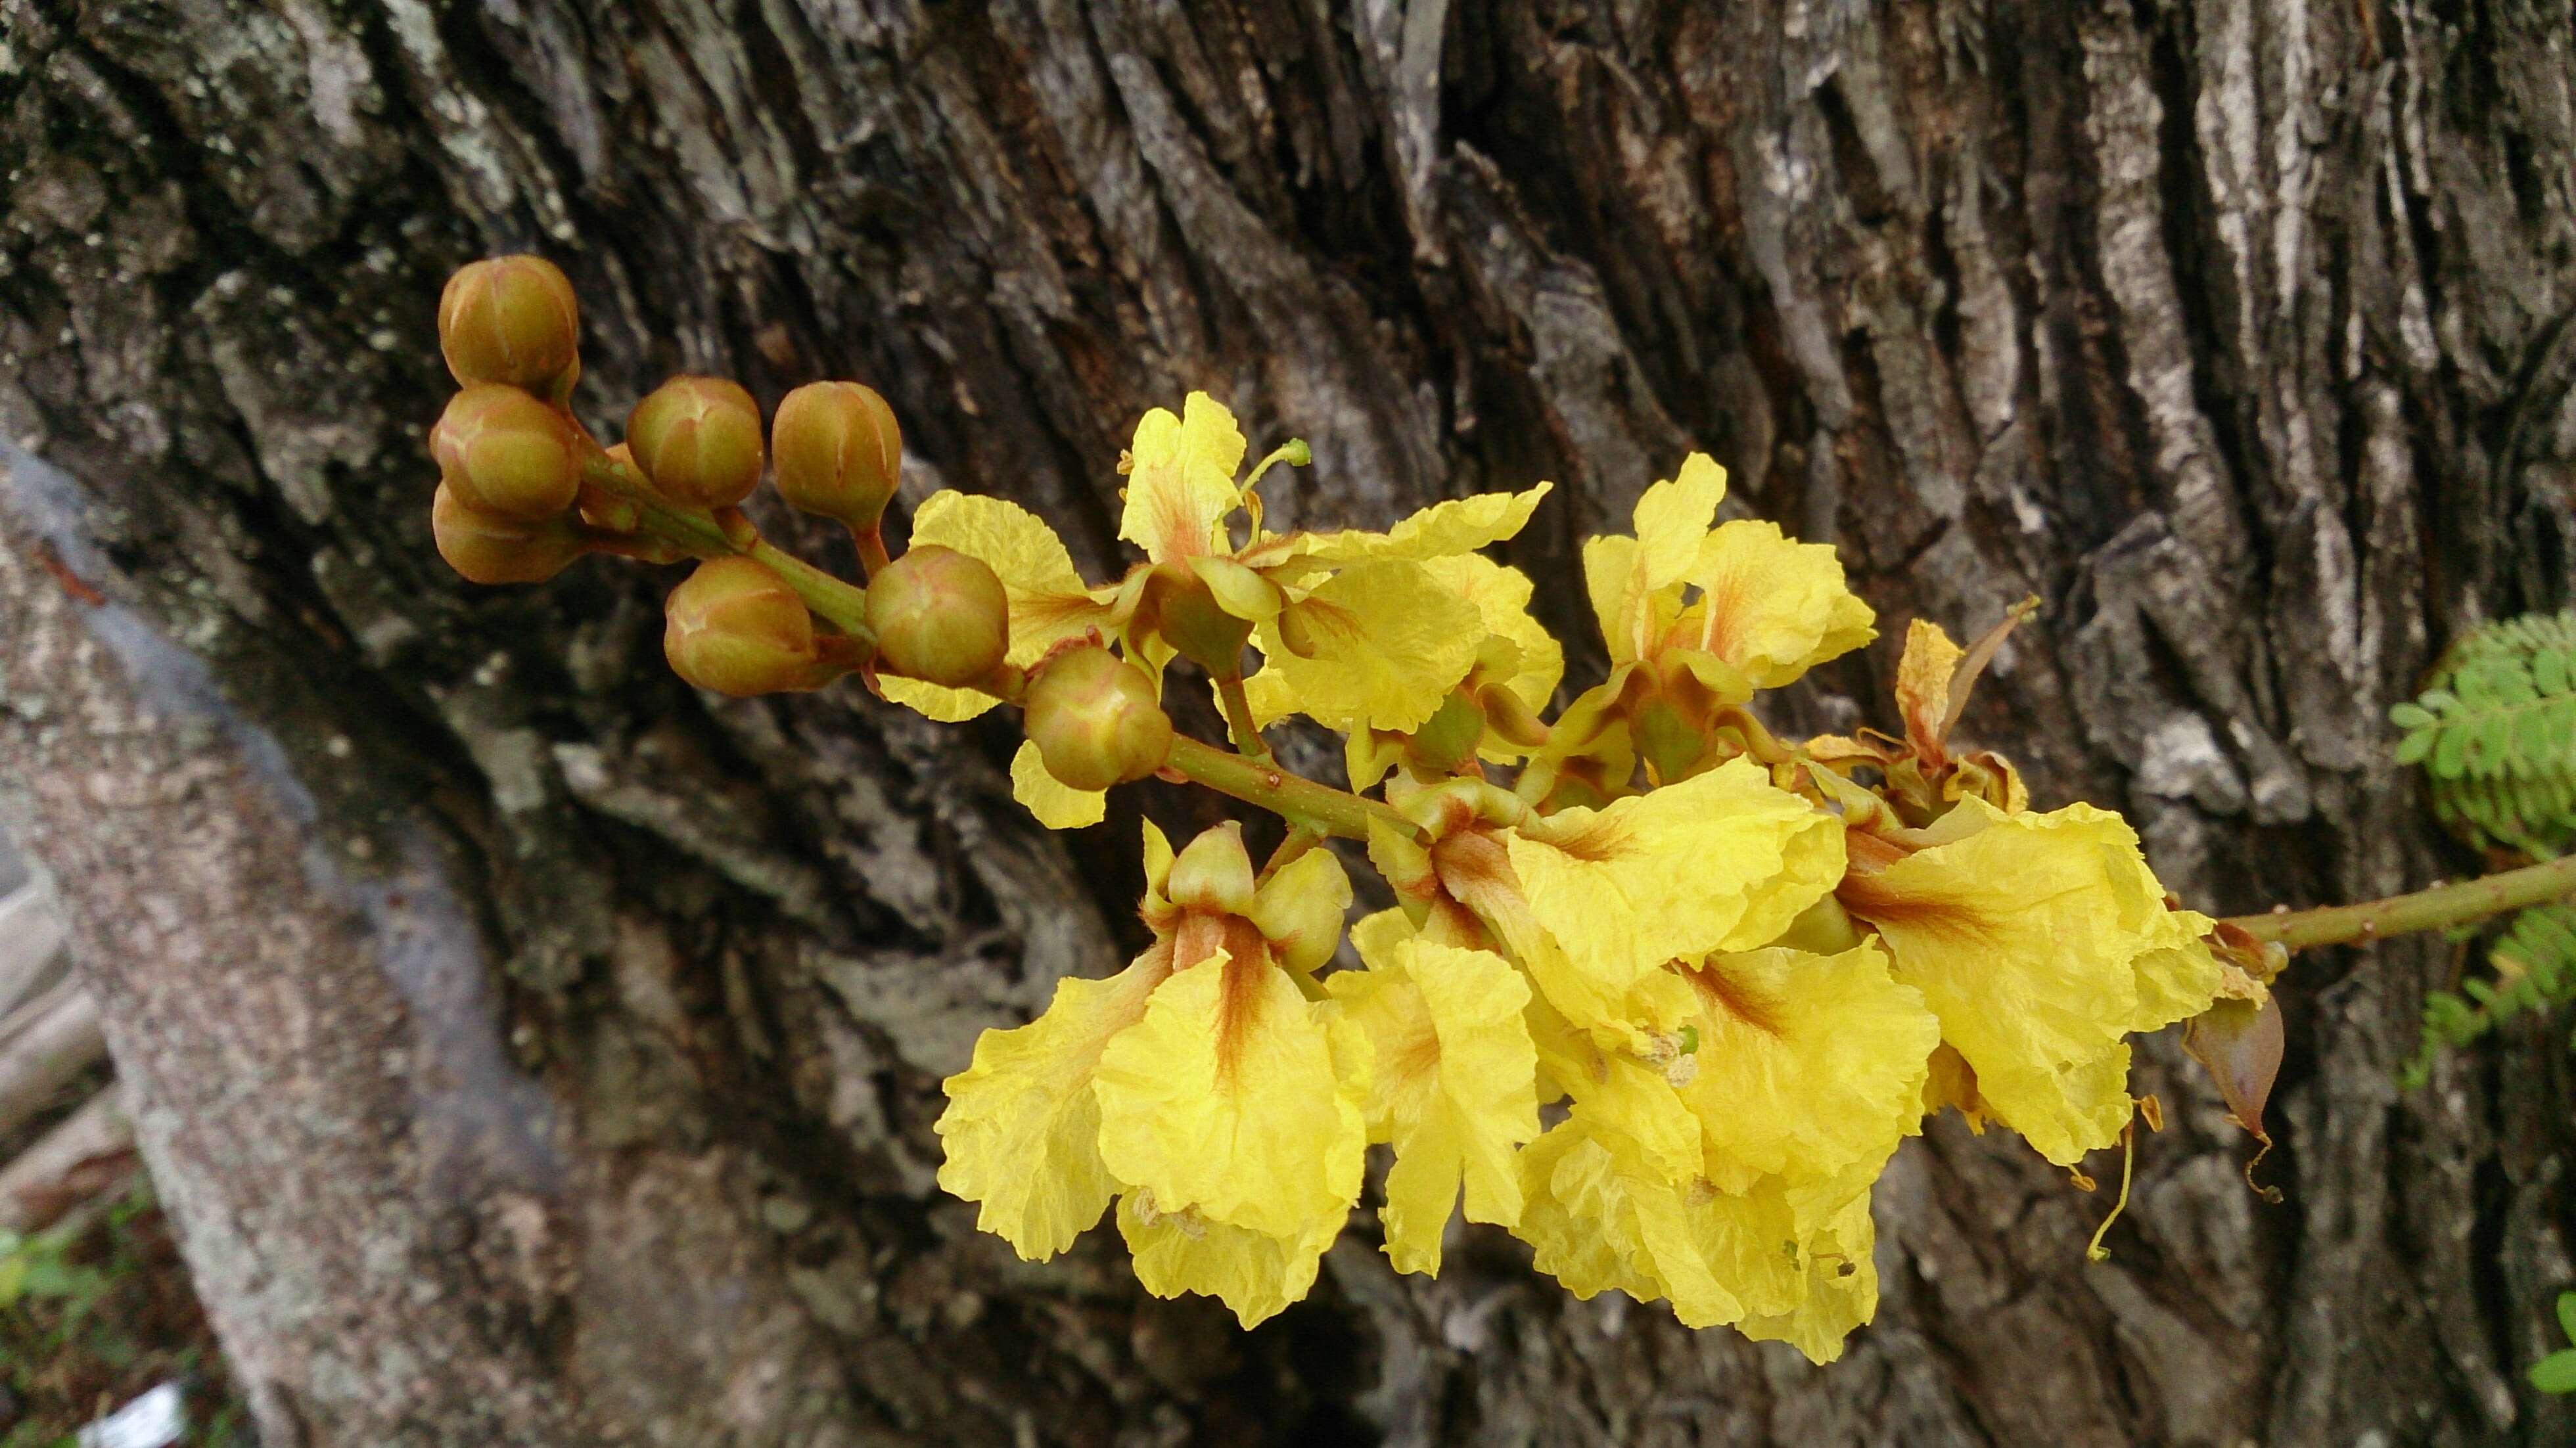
x=534, y=1051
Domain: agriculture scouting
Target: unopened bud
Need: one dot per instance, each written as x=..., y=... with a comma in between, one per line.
x=697, y=440
x=940, y=616
x=496, y=548
x=839, y=451
x=737, y=628
x=1301, y=907
x=511, y=320
x=1194, y=623
x=503, y=451
x=1449, y=737
x=1213, y=875
x=1096, y=721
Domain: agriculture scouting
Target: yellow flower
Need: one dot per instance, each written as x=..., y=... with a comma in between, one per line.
x=1377, y=645
x=1454, y=1086
x=1200, y=1086
x=1768, y=608
x=2041, y=941
x=1049, y=601
x=1723, y=861
x=1696, y=618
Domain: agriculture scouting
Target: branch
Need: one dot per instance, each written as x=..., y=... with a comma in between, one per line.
x=2437, y=908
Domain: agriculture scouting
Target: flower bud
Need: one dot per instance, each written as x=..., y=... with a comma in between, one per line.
x=939, y=616
x=839, y=451
x=1193, y=622
x=497, y=548
x=1449, y=737
x=1213, y=875
x=737, y=628
x=505, y=452
x=1095, y=720
x=510, y=320
x=697, y=440
x=1301, y=909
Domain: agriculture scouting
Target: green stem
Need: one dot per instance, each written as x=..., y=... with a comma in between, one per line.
x=2438, y=908
x=844, y=605
x=1238, y=719
x=1294, y=797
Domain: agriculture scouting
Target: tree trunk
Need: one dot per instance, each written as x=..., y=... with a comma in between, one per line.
x=532, y=1050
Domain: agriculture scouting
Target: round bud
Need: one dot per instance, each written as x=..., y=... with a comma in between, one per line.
x=512, y=320
x=737, y=628
x=1095, y=720
x=698, y=440
x=1213, y=874
x=505, y=452
x=939, y=616
x=497, y=548
x=839, y=451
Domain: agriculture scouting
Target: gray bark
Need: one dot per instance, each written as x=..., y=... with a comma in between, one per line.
x=531, y=1050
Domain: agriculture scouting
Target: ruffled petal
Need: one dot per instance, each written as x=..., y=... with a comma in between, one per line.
x=1021, y=1127
x=1386, y=642
x=1455, y=1087
x=1608, y=885
x=1771, y=607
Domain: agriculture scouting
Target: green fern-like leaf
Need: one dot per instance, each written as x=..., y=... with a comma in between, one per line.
x=2495, y=730
x=2535, y=972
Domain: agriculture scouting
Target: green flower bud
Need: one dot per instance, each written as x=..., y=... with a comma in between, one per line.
x=737, y=628
x=939, y=616
x=697, y=440
x=1213, y=874
x=1300, y=909
x=503, y=451
x=839, y=451
x=1449, y=737
x=497, y=548
x=511, y=320
x=1192, y=621
x=1095, y=720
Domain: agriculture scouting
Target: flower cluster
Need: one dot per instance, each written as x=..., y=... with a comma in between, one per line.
x=1662, y=992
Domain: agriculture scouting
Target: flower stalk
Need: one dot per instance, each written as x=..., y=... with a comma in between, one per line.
x=2439, y=907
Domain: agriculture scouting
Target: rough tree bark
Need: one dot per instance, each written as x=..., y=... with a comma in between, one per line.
x=534, y=1051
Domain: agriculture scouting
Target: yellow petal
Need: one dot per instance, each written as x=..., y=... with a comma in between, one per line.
x=1719, y=1257
x=1454, y=1087
x=1181, y=485
x=1840, y=1290
x=1923, y=684
x=1225, y=1099
x=1609, y=563
x=1058, y=806
x=1721, y=861
x=1808, y=1065
x=2041, y=942
x=1672, y=517
x=1254, y=1273
x=1021, y=1128
x=1458, y=526
x=1389, y=642
x=1501, y=595
x=1773, y=608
